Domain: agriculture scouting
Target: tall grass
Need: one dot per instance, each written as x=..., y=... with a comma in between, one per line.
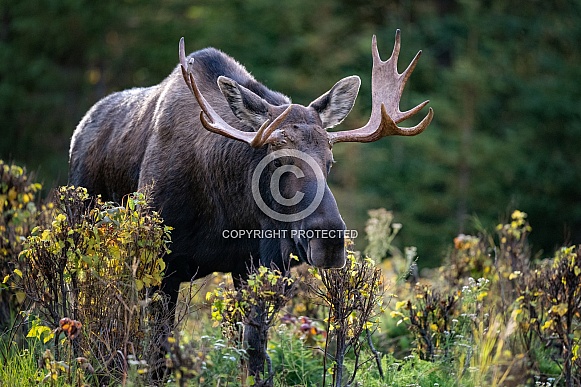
x=19, y=367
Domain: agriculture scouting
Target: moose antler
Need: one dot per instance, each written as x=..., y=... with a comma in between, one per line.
x=212, y=120
x=386, y=89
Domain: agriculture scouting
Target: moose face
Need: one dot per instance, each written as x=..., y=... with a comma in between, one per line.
x=296, y=187
x=299, y=147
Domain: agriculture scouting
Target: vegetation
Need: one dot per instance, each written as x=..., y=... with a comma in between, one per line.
x=502, y=78
x=92, y=267
x=494, y=314
x=18, y=214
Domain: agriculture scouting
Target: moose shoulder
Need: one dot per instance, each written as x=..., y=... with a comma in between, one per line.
x=198, y=144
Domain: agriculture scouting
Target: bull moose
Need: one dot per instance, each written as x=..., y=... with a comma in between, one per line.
x=200, y=155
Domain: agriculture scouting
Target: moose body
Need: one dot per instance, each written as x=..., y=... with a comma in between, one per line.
x=198, y=157
x=201, y=182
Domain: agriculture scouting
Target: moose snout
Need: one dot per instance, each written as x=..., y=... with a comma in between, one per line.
x=326, y=251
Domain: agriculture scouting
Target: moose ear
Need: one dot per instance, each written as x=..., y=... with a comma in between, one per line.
x=247, y=106
x=335, y=105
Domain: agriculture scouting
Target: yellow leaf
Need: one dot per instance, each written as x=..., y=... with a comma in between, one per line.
x=115, y=252
x=395, y=314
x=18, y=272
x=6, y=278
x=138, y=284
x=547, y=325
x=518, y=215
x=12, y=194
x=45, y=235
x=560, y=309
x=20, y=297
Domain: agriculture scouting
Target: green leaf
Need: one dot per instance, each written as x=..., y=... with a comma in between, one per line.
x=41, y=332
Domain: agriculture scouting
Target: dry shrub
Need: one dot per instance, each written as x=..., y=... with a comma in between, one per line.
x=354, y=296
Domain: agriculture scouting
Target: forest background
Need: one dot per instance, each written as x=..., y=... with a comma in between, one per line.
x=504, y=79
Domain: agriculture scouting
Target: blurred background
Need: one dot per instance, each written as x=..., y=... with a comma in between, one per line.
x=504, y=79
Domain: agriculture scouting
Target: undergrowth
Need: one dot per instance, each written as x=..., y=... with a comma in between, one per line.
x=494, y=313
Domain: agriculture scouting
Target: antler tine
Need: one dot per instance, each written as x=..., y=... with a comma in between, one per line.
x=375, y=50
x=411, y=112
x=212, y=121
x=182, y=55
x=411, y=67
x=263, y=136
x=185, y=65
x=387, y=88
x=391, y=128
x=396, y=48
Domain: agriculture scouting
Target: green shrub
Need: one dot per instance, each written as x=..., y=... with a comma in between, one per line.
x=256, y=304
x=98, y=263
x=18, y=213
x=297, y=361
